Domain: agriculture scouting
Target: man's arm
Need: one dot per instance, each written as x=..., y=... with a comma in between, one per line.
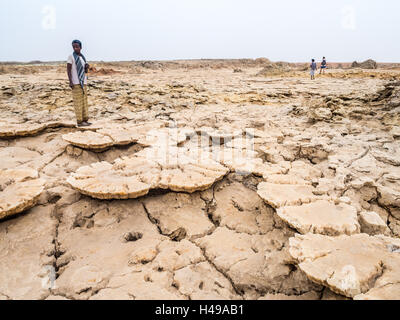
x=69, y=71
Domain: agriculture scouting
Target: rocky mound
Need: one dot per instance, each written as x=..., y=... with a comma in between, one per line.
x=388, y=100
x=102, y=71
x=368, y=64
x=273, y=69
x=394, y=99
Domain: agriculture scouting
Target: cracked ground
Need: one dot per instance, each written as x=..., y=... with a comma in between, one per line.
x=339, y=134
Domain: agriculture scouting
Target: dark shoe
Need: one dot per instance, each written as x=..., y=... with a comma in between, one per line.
x=83, y=124
x=87, y=123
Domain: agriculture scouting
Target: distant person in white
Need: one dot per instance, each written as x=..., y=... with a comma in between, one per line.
x=77, y=68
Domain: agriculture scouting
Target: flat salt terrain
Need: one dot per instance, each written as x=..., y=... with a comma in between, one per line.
x=225, y=228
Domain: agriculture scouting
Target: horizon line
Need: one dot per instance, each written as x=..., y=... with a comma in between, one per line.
x=181, y=60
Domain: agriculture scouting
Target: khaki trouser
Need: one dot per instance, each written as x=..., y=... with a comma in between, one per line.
x=80, y=103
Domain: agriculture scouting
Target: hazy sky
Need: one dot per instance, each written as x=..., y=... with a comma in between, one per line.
x=290, y=30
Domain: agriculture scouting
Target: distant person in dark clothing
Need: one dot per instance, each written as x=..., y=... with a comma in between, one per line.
x=323, y=66
x=313, y=67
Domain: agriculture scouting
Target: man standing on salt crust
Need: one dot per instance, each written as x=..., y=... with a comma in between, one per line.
x=77, y=68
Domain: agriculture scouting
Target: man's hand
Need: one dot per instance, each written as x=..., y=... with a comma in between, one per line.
x=87, y=68
x=69, y=72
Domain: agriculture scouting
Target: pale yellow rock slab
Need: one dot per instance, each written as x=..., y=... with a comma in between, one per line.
x=358, y=266
x=89, y=140
x=26, y=260
x=304, y=171
x=386, y=292
x=120, y=135
x=389, y=196
x=241, y=161
x=123, y=134
x=165, y=137
x=373, y=224
x=322, y=217
x=9, y=129
x=133, y=177
x=285, y=179
x=16, y=130
x=102, y=137
x=279, y=195
x=123, y=180
x=388, y=157
x=20, y=190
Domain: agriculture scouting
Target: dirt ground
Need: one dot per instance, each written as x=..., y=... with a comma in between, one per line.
x=324, y=168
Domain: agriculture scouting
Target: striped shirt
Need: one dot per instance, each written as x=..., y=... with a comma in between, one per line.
x=74, y=71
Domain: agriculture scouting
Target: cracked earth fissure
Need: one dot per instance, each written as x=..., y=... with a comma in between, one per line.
x=155, y=222
x=57, y=252
x=224, y=274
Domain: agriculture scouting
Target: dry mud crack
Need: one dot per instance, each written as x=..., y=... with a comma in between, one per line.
x=207, y=184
